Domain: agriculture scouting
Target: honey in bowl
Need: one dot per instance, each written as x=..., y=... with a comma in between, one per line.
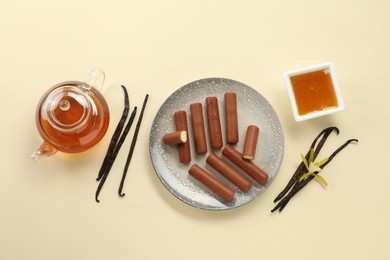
x=314, y=91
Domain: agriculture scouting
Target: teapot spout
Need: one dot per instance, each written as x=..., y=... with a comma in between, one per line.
x=44, y=150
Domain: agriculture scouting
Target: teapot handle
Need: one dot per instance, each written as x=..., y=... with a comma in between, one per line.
x=94, y=79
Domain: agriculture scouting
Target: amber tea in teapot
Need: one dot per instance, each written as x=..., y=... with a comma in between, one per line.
x=72, y=116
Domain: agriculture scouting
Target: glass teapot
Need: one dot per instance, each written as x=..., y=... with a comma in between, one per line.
x=72, y=116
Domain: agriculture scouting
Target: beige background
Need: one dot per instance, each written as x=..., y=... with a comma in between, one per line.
x=47, y=209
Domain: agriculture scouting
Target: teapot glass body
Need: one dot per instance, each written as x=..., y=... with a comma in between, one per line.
x=72, y=117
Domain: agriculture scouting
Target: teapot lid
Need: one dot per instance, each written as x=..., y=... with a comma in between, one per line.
x=68, y=106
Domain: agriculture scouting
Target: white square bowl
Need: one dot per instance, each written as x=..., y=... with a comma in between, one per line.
x=339, y=98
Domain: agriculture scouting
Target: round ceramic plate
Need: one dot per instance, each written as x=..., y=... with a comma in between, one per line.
x=252, y=108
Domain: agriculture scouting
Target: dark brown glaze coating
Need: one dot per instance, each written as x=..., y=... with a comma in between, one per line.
x=214, y=123
x=198, y=128
x=177, y=137
x=250, y=144
x=211, y=182
x=231, y=117
x=249, y=167
x=228, y=172
x=181, y=125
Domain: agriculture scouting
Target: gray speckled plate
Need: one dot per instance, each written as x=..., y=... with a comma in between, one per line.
x=253, y=108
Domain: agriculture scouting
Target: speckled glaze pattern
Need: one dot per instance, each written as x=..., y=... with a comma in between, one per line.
x=253, y=108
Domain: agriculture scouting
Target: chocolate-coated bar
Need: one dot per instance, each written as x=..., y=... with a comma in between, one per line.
x=211, y=182
x=247, y=166
x=178, y=137
x=214, y=123
x=228, y=172
x=198, y=128
x=231, y=117
x=181, y=125
x=250, y=144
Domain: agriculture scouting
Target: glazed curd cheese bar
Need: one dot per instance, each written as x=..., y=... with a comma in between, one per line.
x=249, y=167
x=250, y=144
x=211, y=182
x=228, y=172
x=231, y=117
x=178, y=137
x=214, y=123
x=198, y=128
x=181, y=125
